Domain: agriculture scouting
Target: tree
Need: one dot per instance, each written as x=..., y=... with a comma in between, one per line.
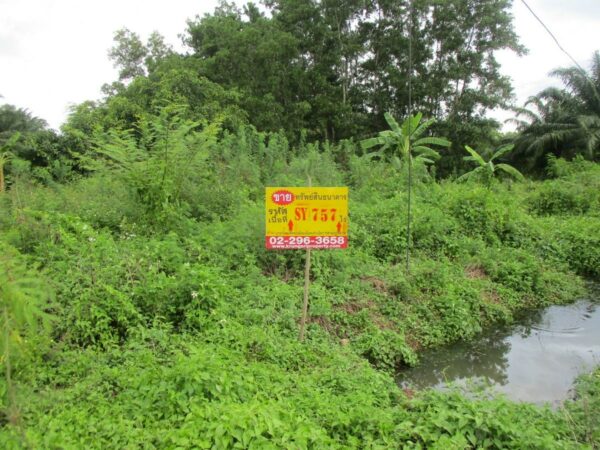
x=330, y=48
x=333, y=68
x=26, y=137
x=487, y=170
x=175, y=80
x=250, y=53
x=18, y=119
x=456, y=77
x=128, y=54
x=585, y=96
x=404, y=143
x=562, y=122
x=133, y=58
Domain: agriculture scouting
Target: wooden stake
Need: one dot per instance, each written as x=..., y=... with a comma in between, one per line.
x=306, y=289
x=306, y=285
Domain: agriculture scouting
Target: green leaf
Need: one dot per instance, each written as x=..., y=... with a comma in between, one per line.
x=511, y=171
x=502, y=151
x=470, y=174
x=411, y=124
x=476, y=156
x=422, y=128
x=372, y=155
x=370, y=143
x=433, y=141
x=12, y=140
x=392, y=123
x=426, y=151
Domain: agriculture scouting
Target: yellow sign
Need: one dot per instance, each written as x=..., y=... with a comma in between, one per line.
x=303, y=217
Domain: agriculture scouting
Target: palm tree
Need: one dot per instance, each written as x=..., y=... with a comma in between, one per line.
x=19, y=119
x=487, y=170
x=563, y=122
x=586, y=91
x=404, y=143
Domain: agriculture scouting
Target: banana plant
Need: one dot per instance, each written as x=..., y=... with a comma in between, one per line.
x=487, y=170
x=6, y=155
x=405, y=143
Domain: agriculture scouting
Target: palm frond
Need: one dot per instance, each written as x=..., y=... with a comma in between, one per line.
x=12, y=140
x=531, y=115
x=5, y=157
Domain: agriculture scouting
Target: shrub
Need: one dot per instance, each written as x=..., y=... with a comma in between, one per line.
x=385, y=350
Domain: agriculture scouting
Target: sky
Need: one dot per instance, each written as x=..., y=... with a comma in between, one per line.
x=53, y=53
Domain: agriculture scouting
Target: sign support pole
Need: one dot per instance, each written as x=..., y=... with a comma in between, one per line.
x=306, y=286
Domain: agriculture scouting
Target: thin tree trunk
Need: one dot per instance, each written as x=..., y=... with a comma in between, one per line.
x=410, y=131
x=408, y=212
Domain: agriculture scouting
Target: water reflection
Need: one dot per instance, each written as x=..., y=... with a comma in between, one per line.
x=535, y=361
x=485, y=358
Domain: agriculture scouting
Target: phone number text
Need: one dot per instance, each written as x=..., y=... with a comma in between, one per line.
x=291, y=242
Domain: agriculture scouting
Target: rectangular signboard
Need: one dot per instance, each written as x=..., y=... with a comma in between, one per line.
x=305, y=217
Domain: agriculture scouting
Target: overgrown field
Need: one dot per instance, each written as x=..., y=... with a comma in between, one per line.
x=141, y=309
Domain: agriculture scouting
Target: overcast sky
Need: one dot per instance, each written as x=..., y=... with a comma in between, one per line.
x=53, y=53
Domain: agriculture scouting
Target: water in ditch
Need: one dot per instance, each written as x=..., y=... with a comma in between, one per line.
x=535, y=361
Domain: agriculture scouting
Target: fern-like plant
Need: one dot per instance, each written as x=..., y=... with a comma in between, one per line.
x=22, y=299
x=6, y=155
x=487, y=170
x=164, y=153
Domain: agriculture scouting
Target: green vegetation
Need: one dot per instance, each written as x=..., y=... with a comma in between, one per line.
x=174, y=327
x=406, y=142
x=487, y=170
x=562, y=122
x=5, y=156
x=140, y=309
